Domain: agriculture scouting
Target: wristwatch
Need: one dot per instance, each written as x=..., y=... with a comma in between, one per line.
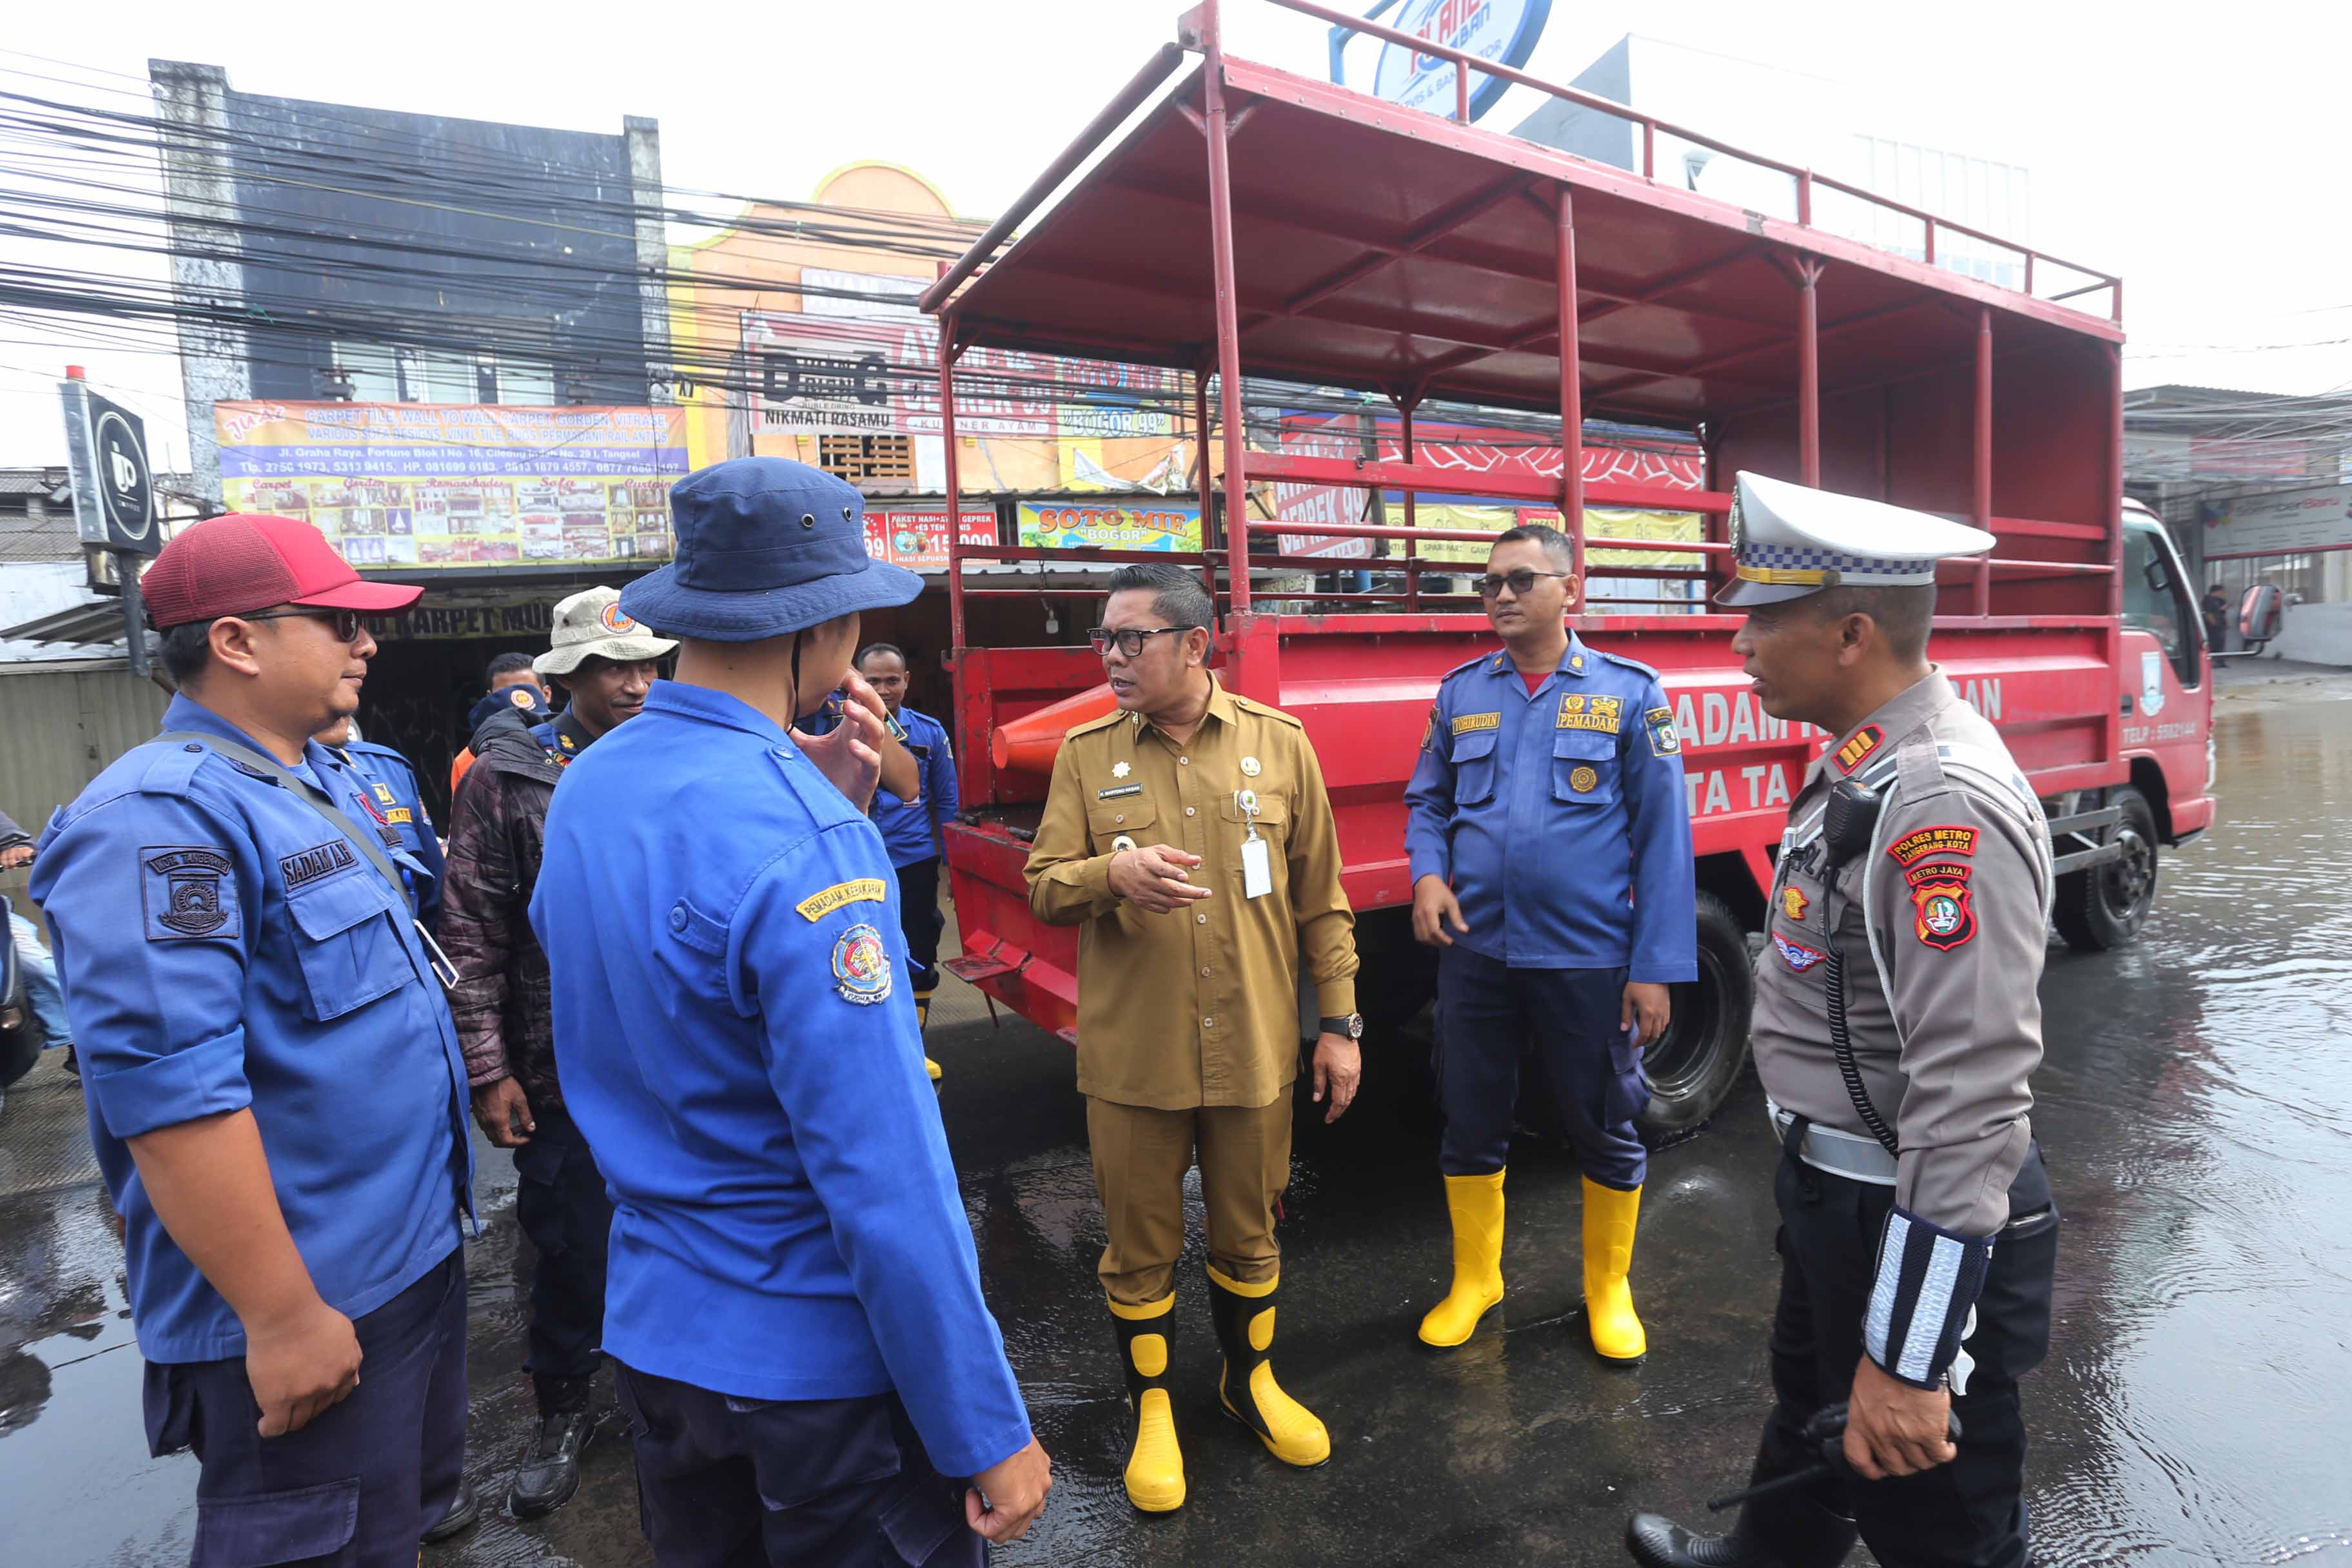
x=1352, y=1026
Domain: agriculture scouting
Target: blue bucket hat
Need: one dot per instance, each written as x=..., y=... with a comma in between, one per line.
x=765, y=547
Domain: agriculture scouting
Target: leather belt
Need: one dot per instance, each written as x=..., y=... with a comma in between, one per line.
x=1847, y=1155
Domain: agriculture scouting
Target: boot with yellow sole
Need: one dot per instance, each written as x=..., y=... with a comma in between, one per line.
x=1609, y=1224
x=1155, y=1465
x=1245, y=1385
x=1475, y=1206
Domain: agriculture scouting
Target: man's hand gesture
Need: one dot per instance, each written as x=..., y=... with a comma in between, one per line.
x=1154, y=879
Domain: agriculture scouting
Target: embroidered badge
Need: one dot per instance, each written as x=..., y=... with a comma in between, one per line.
x=1576, y=661
x=1583, y=780
x=1463, y=723
x=519, y=696
x=1795, y=954
x=385, y=797
x=1914, y=847
x=565, y=741
x=1578, y=711
x=1665, y=741
x=1119, y=770
x=307, y=866
x=1793, y=903
x=865, y=890
x=367, y=802
x=189, y=894
x=1119, y=792
x=1945, y=919
x=400, y=816
x=1865, y=741
x=861, y=965
x=611, y=618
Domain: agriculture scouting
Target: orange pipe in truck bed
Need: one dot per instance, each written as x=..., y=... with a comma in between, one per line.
x=1030, y=742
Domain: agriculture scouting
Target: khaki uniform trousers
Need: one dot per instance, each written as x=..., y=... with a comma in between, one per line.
x=1141, y=1155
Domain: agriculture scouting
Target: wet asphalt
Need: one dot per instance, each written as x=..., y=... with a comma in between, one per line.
x=2196, y=1106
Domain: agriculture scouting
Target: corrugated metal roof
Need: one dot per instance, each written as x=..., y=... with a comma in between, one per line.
x=46, y=538
x=31, y=481
x=32, y=592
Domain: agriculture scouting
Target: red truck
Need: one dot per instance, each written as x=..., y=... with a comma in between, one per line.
x=1303, y=234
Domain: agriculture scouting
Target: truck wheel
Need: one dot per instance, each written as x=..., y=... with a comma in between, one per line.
x=2104, y=906
x=1695, y=1065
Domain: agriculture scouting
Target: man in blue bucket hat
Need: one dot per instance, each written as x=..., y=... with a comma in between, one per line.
x=793, y=1301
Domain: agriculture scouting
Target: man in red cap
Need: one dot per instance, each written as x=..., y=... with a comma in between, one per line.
x=274, y=1084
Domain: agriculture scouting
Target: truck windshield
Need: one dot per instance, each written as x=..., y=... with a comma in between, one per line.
x=2155, y=598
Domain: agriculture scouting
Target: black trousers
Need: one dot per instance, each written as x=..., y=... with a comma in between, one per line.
x=920, y=918
x=359, y=1485
x=564, y=1208
x=1972, y=1511
x=1487, y=1014
x=767, y=1483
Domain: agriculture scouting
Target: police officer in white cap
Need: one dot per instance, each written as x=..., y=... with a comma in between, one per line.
x=1896, y=1026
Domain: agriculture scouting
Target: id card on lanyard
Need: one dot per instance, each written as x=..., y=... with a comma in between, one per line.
x=1257, y=856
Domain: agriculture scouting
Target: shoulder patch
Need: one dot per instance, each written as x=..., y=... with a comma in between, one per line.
x=861, y=966
x=189, y=893
x=1939, y=902
x=1943, y=839
x=1665, y=741
x=1795, y=954
x=1856, y=751
x=1631, y=664
x=864, y=889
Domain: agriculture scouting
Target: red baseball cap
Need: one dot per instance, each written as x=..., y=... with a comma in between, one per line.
x=244, y=561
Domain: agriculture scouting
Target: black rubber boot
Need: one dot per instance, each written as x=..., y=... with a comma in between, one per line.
x=1245, y=1316
x=551, y=1468
x=1786, y=1530
x=462, y=1516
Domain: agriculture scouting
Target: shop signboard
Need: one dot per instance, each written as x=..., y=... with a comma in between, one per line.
x=459, y=487
x=1110, y=525
x=1502, y=30
x=918, y=540
x=2279, y=523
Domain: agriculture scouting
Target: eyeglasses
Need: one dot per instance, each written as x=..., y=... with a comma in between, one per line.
x=1521, y=581
x=346, y=623
x=1130, y=639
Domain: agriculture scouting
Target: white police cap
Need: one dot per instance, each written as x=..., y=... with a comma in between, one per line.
x=1788, y=541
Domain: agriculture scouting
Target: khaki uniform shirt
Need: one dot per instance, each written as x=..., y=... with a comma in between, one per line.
x=1198, y=1006
x=1946, y=1022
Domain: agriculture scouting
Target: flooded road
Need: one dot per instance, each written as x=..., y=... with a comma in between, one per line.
x=2196, y=1106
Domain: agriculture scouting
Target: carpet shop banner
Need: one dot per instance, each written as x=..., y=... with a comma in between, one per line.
x=459, y=486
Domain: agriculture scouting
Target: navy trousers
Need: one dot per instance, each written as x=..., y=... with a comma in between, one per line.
x=920, y=920
x=765, y=1483
x=565, y=1209
x=1488, y=1015
x=1969, y=1513
x=358, y=1485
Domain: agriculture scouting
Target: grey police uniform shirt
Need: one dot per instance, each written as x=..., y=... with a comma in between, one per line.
x=1958, y=883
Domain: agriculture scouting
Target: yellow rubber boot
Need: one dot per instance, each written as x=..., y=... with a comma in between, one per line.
x=1476, y=1203
x=1155, y=1465
x=1609, y=1224
x=922, y=1021
x=1245, y=1385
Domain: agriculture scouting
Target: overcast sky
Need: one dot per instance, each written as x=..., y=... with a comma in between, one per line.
x=2196, y=150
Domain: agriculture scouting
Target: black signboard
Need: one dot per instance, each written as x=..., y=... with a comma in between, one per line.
x=113, y=487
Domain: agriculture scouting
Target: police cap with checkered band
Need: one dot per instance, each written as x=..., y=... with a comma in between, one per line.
x=1788, y=541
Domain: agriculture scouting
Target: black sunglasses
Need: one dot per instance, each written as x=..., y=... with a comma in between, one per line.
x=346, y=623
x=1521, y=581
x=1130, y=639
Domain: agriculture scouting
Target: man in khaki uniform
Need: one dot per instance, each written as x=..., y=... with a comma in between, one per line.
x=1188, y=834
x=1896, y=1026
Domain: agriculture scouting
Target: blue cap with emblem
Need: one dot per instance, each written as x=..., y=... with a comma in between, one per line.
x=1788, y=541
x=765, y=547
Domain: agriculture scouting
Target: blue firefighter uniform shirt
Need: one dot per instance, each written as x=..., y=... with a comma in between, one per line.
x=223, y=946
x=402, y=810
x=911, y=829
x=737, y=1043
x=1559, y=816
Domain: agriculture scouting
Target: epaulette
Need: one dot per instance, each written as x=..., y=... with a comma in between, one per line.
x=173, y=769
x=1116, y=716
x=1465, y=668
x=1249, y=705
x=1634, y=665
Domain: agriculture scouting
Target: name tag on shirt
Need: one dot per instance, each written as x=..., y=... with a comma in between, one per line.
x=1257, y=868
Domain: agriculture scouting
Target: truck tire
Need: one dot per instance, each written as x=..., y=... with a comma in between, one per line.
x=1695, y=1065
x=2104, y=906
